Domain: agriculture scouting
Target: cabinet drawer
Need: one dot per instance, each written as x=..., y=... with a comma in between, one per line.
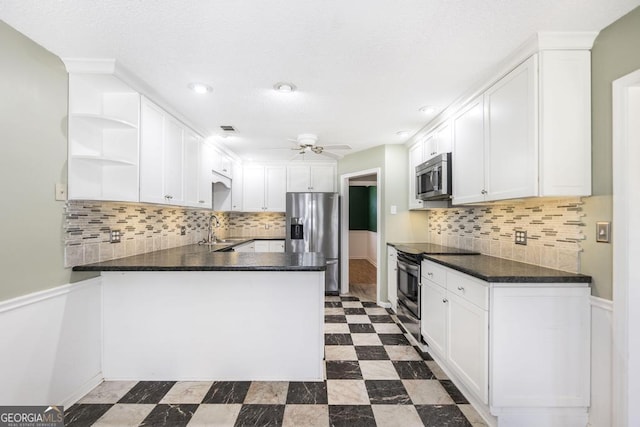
x=434, y=272
x=473, y=290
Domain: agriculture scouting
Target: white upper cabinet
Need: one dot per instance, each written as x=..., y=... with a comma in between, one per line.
x=170, y=161
x=236, y=187
x=438, y=142
x=103, y=138
x=223, y=164
x=415, y=158
x=510, y=135
x=207, y=154
x=529, y=134
x=264, y=188
x=314, y=178
x=468, y=154
x=151, y=153
x=191, y=175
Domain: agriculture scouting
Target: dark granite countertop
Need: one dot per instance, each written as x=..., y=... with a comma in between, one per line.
x=201, y=258
x=500, y=270
x=429, y=249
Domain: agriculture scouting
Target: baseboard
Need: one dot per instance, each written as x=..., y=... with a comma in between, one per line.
x=83, y=390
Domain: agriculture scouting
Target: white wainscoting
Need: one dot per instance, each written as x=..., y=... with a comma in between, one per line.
x=372, y=247
x=51, y=345
x=363, y=245
x=600, y=413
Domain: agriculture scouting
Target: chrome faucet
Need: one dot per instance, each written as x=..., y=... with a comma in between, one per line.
x=213, y=222
x=211, y=239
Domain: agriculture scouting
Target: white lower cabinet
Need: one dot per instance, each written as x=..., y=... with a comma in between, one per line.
x=261, y=246
x=392, y=277
x=519, y=351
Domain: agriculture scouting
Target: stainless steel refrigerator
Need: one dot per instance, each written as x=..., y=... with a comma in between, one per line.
x=313, y=225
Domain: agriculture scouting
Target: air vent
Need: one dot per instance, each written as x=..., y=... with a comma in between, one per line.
x=227, y=128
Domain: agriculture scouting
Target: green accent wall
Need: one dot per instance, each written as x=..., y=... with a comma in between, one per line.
x=362, y=208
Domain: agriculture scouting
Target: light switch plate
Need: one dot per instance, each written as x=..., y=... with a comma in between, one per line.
x=394, y=209
x=603, y=232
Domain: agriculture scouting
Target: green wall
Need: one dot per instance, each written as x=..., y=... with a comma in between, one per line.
x=33, y=119
x=615, y=53
x=362, y=208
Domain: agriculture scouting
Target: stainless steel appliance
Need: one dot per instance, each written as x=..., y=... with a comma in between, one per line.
x=409, y=309
x=313, y=225
x=433, y=178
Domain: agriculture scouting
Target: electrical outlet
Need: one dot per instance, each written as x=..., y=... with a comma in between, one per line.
x=183, y=230
x=61, y=192
x=521, y=237
x=115, y=236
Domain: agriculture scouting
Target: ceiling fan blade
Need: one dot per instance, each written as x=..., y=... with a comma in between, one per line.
x=337, y=147
x=332, y=155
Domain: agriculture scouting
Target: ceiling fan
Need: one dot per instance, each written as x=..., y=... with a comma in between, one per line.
x=307, y=142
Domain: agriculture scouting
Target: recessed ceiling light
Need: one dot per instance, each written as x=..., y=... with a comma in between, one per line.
x=284, y=87
x=427, y=109
x=403, y=133
x=200, y=88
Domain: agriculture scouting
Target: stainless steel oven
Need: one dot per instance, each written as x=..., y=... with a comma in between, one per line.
x=409, y=310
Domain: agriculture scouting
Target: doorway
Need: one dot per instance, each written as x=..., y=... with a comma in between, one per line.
x=626, y=250
x=360, y=231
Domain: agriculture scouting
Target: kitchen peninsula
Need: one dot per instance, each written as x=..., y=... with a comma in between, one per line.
x=189, y=313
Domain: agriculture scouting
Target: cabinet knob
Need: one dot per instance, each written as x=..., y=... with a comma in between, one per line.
x=430, y=274
x=483, y=192
x=168, y=197
x=200, y=201
x=444, y=300
x=461, y=288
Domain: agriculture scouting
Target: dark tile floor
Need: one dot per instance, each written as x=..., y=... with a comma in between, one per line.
x=374, y=377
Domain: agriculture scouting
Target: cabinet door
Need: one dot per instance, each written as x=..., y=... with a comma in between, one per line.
x=445, y=138
x=468, y=154
x=433, y=324
x=323, y=178
x=151, y=153
x=467, y=344
x=298, y=179
x=236, y=187
x=246, y=247
x=392, y=276
x=430, y=146
x=511, y=166
x=173, y=153
x=276, y=188
x=261, y=246
x=253, y=189
x=191, y=168
x=276, y=246
x=415, y=158
x=207, y=155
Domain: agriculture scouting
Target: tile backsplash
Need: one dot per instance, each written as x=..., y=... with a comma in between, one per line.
x=146, y=228
x=554, y=230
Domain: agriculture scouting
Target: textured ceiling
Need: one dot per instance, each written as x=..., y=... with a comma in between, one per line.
x=362, y=67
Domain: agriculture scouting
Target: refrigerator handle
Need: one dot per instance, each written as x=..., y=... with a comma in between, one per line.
x=332, y=261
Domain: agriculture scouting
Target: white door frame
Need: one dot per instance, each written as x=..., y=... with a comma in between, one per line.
x=626, y=250
x=344, y=228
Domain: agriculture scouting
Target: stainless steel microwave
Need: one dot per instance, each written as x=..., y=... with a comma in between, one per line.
x=433, y=178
